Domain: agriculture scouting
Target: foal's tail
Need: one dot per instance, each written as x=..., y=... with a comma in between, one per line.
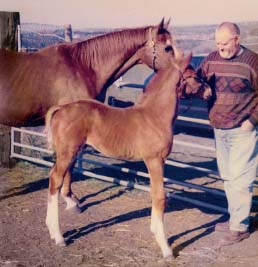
x=48, y=119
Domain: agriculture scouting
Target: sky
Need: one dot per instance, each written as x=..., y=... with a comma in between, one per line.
x=131, y=13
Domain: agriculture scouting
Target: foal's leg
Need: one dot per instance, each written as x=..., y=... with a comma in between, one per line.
x=155, y=167
x=52, y=219
x=63, y=162
x=72, y=202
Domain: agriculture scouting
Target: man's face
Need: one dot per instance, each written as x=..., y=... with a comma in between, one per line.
x=227, y=43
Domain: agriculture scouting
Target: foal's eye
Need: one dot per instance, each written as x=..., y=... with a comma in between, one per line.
x=168, y=48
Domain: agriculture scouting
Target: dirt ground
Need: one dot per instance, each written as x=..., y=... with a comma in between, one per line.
x=113, y=228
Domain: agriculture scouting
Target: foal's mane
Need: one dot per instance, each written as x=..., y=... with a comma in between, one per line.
x=97, y=49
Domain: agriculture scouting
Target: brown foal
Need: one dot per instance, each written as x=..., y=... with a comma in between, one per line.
x=141, y=132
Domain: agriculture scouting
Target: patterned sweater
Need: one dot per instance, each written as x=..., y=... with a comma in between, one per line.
x=235, y=88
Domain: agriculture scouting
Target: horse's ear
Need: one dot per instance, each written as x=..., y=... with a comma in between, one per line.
x=167, y=24
x=161, y=24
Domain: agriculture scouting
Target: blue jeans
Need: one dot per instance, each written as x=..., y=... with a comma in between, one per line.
x=236, y=151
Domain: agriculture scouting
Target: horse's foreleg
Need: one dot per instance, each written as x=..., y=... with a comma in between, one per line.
x=155, y=168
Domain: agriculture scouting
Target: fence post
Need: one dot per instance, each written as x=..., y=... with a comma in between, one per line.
x=68, y=33
x=19, y=38
x=9, y=22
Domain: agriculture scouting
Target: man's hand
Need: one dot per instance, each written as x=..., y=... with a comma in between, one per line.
x=247, y=126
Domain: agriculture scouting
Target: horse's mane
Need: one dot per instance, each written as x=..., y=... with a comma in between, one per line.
x=96, y=49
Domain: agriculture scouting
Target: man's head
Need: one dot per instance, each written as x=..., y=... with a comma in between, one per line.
x=227, y=37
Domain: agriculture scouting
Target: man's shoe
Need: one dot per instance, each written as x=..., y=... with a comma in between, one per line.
x=222, y=227
x=232, y=237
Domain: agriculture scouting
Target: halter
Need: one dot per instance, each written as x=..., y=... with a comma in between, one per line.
x=154, y=53
x=152, y=44
x=154, y=56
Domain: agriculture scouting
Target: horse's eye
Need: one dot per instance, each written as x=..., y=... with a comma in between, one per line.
x=168, y=48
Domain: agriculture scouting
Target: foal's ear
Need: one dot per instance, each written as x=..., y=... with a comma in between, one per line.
x=185, y=61
x=188, y=58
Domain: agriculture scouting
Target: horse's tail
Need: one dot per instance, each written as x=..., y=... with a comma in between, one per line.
x=48, y=119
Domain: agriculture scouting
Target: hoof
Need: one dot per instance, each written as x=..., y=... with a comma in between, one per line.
x=52, y=235
x=61, y=243
x=76, y=209
x=167, y=259
x=167, y=254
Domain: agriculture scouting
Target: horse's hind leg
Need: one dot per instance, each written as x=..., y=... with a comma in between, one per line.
x=72, y=202
x=52, y=219
x=64, y=158
x=155, y=167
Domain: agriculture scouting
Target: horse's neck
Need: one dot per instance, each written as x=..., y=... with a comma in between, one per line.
x=105, y=55
x=160, y=97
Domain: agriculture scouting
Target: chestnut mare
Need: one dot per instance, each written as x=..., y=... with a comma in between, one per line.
x=30, y=83
x=141, y=132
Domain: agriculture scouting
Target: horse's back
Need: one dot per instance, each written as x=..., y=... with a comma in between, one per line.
x=31, y=82
x=118, y=132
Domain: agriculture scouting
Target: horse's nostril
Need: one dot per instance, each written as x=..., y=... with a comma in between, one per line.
x=168, y=48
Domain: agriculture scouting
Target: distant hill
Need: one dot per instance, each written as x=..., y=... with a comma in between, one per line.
x=35, y=36
x=198, y=38
x=49, y=28
x=36, y=27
